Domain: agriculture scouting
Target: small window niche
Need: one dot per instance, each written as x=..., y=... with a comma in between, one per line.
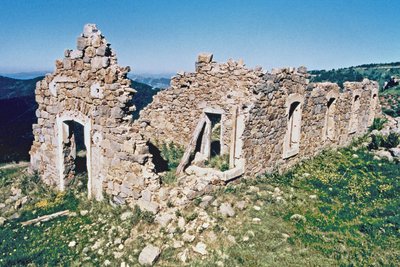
x=372, y=107
x=354, y=118
x=291, y=144
x=329, y=127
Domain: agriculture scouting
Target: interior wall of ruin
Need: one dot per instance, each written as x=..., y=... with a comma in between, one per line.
x=89, y=87
x=174, y=113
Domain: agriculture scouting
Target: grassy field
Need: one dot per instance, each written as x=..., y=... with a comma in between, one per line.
x=341, y=209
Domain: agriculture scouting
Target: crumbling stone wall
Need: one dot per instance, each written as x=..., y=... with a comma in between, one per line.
x=269, y=119
x=263, y=101
x=90, y=88
x=213, y=87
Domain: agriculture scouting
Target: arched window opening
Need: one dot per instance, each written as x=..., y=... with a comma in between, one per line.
x=292, y=137
x=372, y=109
x=329, y=128
x=354, y=115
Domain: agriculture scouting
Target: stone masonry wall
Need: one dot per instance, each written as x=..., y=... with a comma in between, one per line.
x=263, y=98
x=265, y=131
x=174, y=113
x=89, y=87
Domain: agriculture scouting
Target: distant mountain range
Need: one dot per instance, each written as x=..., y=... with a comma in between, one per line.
x=25, y=75
x=155, y=81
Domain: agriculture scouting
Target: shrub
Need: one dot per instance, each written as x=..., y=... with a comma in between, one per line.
x=191, y=216
x=376, y=141
x=172, y=153
x=392, y=140
x=147, y=216
x=378, y=124
x=169, y=177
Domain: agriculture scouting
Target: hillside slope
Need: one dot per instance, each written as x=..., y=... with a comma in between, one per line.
x=339, y=209
x=381, y=72
x=14, y=88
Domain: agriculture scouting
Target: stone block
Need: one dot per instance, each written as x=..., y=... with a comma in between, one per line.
x=101, y=51
x=148, y=206
x=76, y=54
x=90, y=29
x=81, y=43
x=99, y=62
x=67, y=64
x=204, y=58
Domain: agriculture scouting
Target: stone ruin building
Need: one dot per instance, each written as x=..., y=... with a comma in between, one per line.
x=261, y=121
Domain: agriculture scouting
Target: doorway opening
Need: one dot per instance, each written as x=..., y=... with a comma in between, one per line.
x=75, y=156
x=215, y=124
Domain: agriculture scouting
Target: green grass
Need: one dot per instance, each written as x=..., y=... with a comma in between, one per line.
x=355, y=220
x=352, y=219
x=46, y=244
x=395, y=91
x=219, y=162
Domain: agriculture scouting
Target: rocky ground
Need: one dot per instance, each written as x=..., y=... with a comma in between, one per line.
x=340, y=208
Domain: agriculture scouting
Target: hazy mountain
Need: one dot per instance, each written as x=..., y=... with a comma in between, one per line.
x=13, y=88
x=143, y=96
x=155, y=81
x=25, y=75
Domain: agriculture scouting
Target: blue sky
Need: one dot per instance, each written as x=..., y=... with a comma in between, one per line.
x=166, y=36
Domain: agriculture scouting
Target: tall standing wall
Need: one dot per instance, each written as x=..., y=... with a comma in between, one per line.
x=89, y=88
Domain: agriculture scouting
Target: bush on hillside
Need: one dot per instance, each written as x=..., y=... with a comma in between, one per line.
x=389, y=141
x=377, y=124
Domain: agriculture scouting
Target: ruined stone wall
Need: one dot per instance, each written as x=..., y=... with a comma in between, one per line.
x=264, y=132
x=263, y=100
x=268, y=124
x=89, y=87
x=175, y=112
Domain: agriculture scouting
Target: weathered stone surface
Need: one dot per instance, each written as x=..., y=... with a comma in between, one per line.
x=226, y=210
x=188, y=237
x=164, y=219
x=200, y=248
x=205, y=58
x=298, y=218
x=75, y=54
x=81, y=43
x=77, y=92
x=384, y=154
x=148, y=206
x=149, y=255
x=395, y=152
x=126, y=215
